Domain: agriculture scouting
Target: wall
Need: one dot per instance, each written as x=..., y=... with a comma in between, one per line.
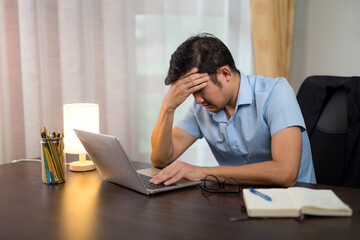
x=326, y=39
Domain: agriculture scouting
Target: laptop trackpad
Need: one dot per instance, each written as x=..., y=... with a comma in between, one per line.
x=149, y=171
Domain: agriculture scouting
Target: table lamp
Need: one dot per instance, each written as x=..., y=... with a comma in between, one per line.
x=84, y=116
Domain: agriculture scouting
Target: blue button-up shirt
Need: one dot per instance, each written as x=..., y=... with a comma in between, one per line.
x=264, y=106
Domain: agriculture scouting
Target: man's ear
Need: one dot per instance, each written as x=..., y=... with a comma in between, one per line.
x=225, y=73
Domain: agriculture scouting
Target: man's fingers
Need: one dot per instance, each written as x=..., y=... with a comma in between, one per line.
x=159, y=178
x=166, y=174
x=175, y=172
x=192, y=71
x=174, y=179
x=196, y=82
x=193, y=77
x=197, y=87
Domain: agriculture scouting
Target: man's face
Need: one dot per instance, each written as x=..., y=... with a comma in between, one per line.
x=212, y=97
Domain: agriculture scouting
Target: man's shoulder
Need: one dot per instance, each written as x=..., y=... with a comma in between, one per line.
x=264, y=84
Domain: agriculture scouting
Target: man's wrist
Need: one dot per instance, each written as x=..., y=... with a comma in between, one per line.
x=204, y=172
x=167, y=108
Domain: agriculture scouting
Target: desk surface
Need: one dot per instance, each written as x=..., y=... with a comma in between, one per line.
x=85, y=207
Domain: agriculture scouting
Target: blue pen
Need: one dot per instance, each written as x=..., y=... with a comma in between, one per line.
x=260, y=194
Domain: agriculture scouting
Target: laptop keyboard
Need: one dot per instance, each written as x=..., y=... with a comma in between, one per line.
x=145, y=179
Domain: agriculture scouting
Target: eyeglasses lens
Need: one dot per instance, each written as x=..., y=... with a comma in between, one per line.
x=231, y=185
x=211, y=183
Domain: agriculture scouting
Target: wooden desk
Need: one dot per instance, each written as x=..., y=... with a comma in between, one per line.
x=85, y=207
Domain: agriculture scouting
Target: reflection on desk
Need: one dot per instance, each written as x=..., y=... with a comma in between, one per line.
x=85, y=207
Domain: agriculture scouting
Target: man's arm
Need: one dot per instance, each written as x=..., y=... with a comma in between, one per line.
x=167, y=143
x=286, y=148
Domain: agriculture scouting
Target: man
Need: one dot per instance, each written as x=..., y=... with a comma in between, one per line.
x=252, y=124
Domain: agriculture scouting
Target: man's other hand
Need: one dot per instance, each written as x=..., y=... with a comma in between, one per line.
x=176, y=171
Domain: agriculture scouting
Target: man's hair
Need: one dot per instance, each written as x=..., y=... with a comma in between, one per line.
x=204, y=51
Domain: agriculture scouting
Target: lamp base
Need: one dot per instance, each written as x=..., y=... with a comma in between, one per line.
x=83, y=166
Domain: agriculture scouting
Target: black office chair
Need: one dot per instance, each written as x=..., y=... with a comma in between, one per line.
x=328, y=140
x=324, y=104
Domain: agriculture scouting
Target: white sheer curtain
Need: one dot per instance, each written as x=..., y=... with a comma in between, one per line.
x=111, y=52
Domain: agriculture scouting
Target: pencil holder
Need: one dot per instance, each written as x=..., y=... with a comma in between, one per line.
x=53, y=160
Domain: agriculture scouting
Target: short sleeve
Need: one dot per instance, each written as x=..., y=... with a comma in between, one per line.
x=282, y=109
x=189, y=124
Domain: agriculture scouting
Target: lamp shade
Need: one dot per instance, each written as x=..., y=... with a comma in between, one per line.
x=84, y=116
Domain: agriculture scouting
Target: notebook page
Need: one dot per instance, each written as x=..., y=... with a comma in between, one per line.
x=281, y=204
x=315, y=201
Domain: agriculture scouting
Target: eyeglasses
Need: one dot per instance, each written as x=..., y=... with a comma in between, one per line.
x=212, y=184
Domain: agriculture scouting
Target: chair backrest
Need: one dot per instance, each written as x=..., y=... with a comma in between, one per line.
x=331, y=109
x=328, y=140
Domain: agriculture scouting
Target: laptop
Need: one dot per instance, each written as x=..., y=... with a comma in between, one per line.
x=114, y=165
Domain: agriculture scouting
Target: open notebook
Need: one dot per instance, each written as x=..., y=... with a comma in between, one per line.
x=293, y=202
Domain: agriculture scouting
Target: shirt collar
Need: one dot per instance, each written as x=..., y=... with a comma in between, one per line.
x=245, y=94
x=244, y=97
